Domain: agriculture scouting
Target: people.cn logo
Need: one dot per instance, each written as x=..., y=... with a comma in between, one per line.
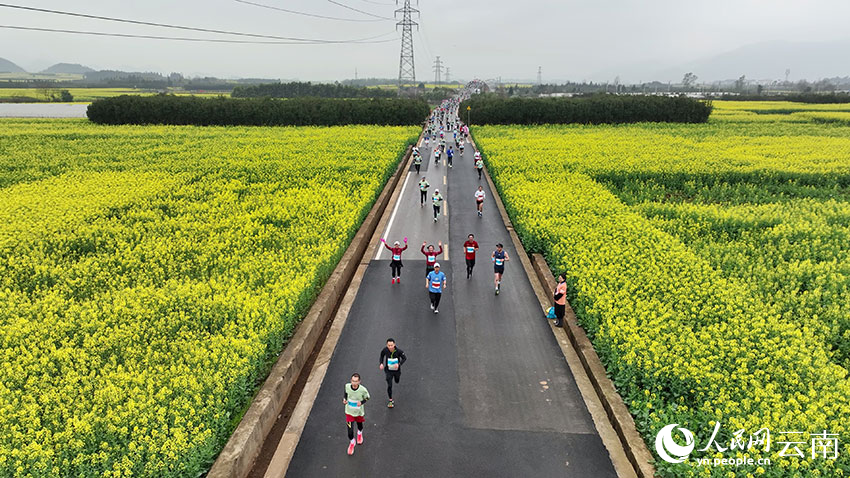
x=668, y=449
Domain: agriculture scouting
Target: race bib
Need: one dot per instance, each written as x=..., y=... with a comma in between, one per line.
x=392, y=363
x=435, y=285
x=396, y=257
x=431, y=259
x=470, y=250
x=499, y=261
x=353, y=404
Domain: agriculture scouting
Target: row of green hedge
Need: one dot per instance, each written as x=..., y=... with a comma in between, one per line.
x=598, y=109
x=187, y=110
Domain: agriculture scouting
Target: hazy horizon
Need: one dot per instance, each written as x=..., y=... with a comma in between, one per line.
x=570, y=40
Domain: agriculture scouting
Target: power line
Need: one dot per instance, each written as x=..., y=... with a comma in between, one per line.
x=379, y=3
x=307, y=14
x=207, y=40
x=360, y=11
x=166, y=25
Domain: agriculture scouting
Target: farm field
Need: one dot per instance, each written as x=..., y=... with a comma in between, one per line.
x=135, y=257
x=85, y=95
x=708, y=263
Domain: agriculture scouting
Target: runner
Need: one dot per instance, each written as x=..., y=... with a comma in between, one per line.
x=499, y=257
x=442, y=144
x=392, y=358
x=395, y=263
x=427, y=138
x=560, y=297
x=435, y=283
x=437, y=152
x=470, y=247
x=479, y=164
x=479, y=200
x=460, y=146
x=431, y=256
x=417, y=162
x=437, y=199
x=354, y=399
x=423, y=191
x=449, y=155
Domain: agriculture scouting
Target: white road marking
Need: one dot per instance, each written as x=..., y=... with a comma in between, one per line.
x=392, y=218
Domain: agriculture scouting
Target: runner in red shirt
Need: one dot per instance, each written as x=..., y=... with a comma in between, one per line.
x=470, y=247
x=395, y=263
x=431, y=256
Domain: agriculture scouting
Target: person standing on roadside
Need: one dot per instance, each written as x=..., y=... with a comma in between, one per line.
x=431, y=256
x=470, y=247
x=437, y=200
x=354, y=399
x=435, y=283
x=499, y=257
x=392, y=358
x=395, y=263
x=560, y=297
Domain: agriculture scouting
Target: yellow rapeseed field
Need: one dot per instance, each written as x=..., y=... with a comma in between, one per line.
x=150, y=275
x=708, y=263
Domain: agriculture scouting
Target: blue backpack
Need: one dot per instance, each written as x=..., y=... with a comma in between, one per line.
x=550, y=314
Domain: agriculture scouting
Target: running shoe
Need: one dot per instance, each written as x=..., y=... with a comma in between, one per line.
x=398, y=280
x=351, y=448
x=359, y=438
x=497, y=291
x=432, y=306
x=436, y=311
x=390, y=404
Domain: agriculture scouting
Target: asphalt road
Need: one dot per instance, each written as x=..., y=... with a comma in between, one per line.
x=486, y=390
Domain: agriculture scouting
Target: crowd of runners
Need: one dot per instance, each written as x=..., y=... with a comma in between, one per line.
x=443, y=125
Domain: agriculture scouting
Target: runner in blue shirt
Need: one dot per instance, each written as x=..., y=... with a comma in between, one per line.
x=449, y=155
x=435, y=283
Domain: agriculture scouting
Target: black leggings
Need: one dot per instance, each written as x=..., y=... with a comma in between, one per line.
x=417, y=166
x=423, y=195
x=470, y=263
x=436, y=211
x=392, y=375
x=479, y=173
x=435, y=298
x=351, y=429
x=395, y=266
x=559, y=312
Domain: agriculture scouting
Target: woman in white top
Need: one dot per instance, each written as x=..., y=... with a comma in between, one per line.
x=479, y=199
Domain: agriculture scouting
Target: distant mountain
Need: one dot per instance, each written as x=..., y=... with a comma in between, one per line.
x=68, y=69
x=769, y=60
x=765, y=60
x=7, y=66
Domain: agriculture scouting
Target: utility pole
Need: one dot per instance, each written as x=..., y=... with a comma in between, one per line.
x=539, y=75
x=406, y=68
x=438, y=70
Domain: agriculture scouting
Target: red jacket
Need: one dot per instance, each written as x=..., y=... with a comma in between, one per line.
x=396, y=251
x=468, y=244
x=431, y=257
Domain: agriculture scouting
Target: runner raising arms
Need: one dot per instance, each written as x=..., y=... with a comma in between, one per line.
x=395, y=263
x=499, y=257
x=354, y=399
x=479, y=200
x=470, y=247
x=392, y=358
x=431, y=256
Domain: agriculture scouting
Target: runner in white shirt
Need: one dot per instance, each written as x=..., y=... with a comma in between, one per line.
x=479, y=199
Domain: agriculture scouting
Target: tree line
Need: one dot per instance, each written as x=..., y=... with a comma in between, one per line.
x=597, y=109
x=303, y=89
x=221, y=111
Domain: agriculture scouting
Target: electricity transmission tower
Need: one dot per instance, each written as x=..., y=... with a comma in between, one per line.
x=539, y=75
x=406, y=68
x=438, y=70
x=448, y=75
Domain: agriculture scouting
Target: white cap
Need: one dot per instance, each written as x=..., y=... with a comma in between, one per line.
x=436, y=265
x=436, y=190
x=396, y=243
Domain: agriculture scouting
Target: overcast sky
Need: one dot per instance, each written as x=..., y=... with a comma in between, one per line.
x=570, y=39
